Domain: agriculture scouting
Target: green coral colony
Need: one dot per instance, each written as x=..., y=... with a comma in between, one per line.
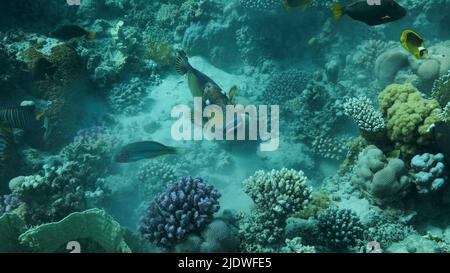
x=364, y=143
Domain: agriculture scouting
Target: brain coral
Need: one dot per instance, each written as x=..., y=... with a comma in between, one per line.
x=409, y=117
x=281, y=192
x=382, y=180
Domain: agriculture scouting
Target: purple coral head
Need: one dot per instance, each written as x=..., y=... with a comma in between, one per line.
x=186, y=207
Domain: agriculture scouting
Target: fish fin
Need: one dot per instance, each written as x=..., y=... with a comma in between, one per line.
x=39, y=116
x=91, y=35
x=179, y=150
x=338, y=10
x=182, y=63
x=232, y=93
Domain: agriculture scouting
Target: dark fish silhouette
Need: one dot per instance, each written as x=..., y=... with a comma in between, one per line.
x=376, y=14
x=143, y=150
x=67, y=32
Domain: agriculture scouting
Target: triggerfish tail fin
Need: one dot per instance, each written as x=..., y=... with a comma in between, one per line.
x=91, y=35
x=338, y=10
x=232, y=93
x=182, y=64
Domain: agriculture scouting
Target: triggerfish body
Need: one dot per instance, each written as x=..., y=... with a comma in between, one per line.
x=68, y=32
x=201, y=85
x=290, y=5
x=197, y=81
x=371, y=14
x=143, y=150
x=412, y=42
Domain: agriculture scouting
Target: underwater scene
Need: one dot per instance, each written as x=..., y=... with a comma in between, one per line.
x=225, y=126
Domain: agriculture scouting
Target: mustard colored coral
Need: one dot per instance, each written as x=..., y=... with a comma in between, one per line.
x=409, y=117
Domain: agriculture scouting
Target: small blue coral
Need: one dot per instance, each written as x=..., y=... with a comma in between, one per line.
x=186, y=207
x=428, y=172
x=339, y=228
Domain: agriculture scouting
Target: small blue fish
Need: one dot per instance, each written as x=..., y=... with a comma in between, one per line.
x=143, y=150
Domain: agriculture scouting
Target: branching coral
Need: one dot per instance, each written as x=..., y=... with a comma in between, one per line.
x=339, y=228
x=260, y=4
x=409, y=117
x=277, y=195
x=280, y=192
x=382, y=180
x=364, y=114
x=330, y=148
x=441, y=90
x=186, y=207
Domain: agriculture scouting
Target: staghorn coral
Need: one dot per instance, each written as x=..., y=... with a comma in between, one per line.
x=441, y=90
x=382, y=180
x=428, y=172
x=339, y=228
x=94, y=227
x=364, y=114
x=186, y=207
x=409, y=118
x=279, y=192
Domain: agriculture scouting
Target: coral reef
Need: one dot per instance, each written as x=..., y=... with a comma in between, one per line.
x=187, y=206
x=364, y=114
x=154, y=177
x=279, y=192
x=409, y=118
x=58, y=190
x=8, y=203
x=128, y=97
x=277, y=195
x=428, y=172
x=388, y=233
x=94, y=226
x=339, y=228
x=285, y=86
x=441, y=90
x=382, y=180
